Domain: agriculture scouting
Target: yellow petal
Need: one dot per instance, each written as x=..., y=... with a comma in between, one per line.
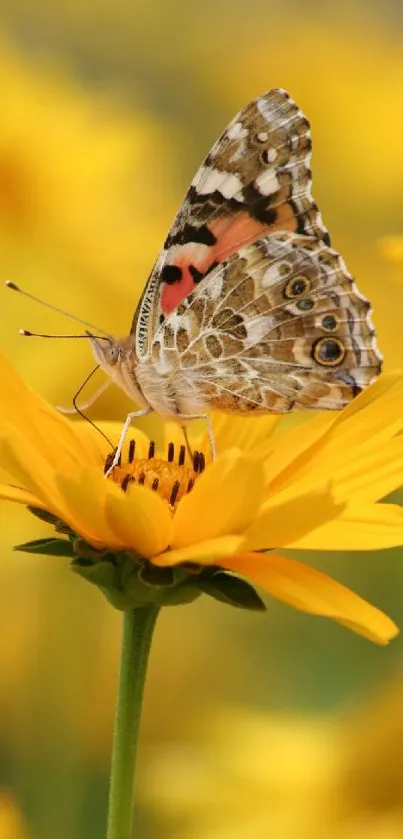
x=317, y=444
x=21, y=496
x=84, y=497
x=374, y=393
x=310, y=591
x=365, y=476
x=35, y=420
x=231, y=431
x=381, y=420
x=31, y=472
x=140, y=519
x=292, y=447
x=286, y=518
x=224, y=501
x=360, y=527
x=372, y=475
x=205, y=553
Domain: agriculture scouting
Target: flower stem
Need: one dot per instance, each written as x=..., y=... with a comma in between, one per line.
x=138, y=627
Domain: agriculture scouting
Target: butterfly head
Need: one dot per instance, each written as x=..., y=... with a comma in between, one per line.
x=108, y=352
x=116, y=359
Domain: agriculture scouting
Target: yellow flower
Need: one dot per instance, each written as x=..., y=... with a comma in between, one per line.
x=392, y=249
x=11, y=822
x=311, y=487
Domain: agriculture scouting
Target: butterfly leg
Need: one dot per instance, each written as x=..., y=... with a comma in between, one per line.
x=210, y=432
x=187, y=441
x=133, y=415
x=84, y=405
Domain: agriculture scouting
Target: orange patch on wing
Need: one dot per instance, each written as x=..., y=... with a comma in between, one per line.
x=231, y=233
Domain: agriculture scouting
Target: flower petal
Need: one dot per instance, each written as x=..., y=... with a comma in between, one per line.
x=384, y=383
x=310, y=591
x=223, y=501
x=370, y=476
x=360, y=527
x=205, y=553
x=231, y=431
x=36, y=421
x=26, y=465
x=291, y=446
x=286, y=518
x=84, y=497
x=366, y=476
x=21, y=496
x=140, y=519
x=316, y=445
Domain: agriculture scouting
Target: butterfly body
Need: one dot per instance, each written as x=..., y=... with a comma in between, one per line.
x=248, y=308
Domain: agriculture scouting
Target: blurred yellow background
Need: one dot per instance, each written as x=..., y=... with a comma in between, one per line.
x=255, y=726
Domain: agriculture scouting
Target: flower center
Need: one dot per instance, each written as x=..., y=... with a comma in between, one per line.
x=172, y=477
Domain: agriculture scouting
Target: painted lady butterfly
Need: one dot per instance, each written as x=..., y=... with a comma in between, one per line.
x=248, y=309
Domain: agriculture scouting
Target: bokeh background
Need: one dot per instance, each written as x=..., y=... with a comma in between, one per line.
x=255, y=726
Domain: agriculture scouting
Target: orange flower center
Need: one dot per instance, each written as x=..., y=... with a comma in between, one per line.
x=172, y=477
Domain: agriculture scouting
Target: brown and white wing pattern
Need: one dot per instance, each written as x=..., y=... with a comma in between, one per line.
x=277, y=326
x=255, y=181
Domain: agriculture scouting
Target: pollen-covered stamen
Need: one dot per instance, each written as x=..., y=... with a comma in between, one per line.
x=128, y=479
x=172, y=480
x=132, y=449
x=174, y=494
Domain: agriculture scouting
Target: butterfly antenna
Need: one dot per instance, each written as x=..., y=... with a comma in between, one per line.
x=28, y=334
x=22, y=291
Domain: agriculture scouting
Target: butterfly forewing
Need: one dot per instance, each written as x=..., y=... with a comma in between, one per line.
x=255, y=179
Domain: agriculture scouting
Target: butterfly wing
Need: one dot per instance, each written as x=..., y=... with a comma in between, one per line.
x=278, y=326
x=255, y=181
x=247, y=301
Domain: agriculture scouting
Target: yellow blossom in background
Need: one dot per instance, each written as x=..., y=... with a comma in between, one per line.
x=391, y=247
x=276, y=487
x=11, y=823
x=255, y=774
x=80, y=212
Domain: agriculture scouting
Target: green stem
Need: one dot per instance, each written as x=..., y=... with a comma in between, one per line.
x=138, y=627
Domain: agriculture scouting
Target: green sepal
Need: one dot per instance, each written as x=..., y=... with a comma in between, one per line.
x=49, y=518
x=43, y=515
x=50, y=546
x=232, y=590
x=129, y=582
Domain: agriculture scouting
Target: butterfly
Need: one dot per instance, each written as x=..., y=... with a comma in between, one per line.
x=248, y=309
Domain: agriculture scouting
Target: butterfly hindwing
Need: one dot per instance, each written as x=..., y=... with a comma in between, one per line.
x=278, y=326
